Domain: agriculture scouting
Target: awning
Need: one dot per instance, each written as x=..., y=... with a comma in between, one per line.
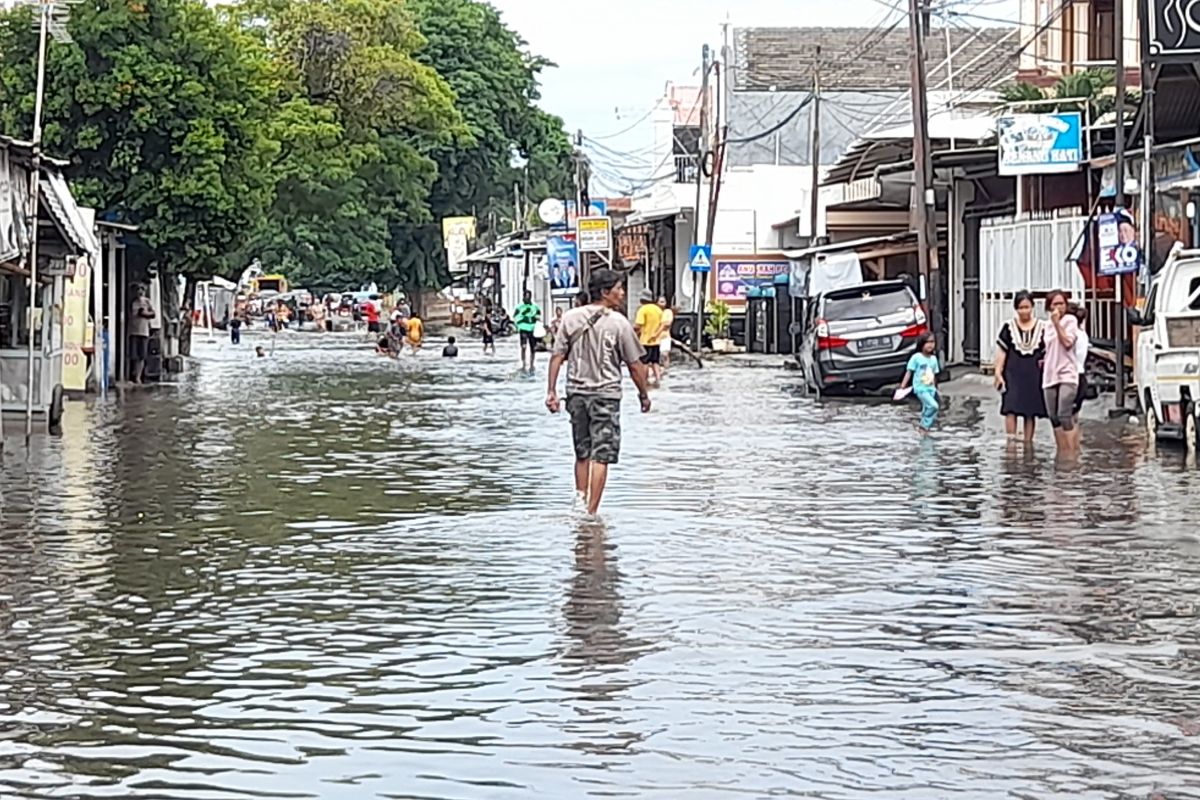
x=61, y=203
x=868, y=243
x=652, y=215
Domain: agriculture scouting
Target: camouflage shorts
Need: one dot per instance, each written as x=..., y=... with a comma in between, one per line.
x=595, y=427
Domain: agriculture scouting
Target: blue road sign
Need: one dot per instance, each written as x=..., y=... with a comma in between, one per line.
x=700, y=259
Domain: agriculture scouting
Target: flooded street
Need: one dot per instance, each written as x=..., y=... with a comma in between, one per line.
x=327, y=574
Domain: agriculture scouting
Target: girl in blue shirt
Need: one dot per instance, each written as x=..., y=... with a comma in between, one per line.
x=922, y=372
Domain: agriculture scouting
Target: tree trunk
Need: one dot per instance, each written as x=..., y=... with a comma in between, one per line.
x=185, y=317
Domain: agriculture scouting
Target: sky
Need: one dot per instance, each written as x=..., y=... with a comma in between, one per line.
x=615, y=57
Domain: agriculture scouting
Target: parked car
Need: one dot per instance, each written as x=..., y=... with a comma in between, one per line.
x=1168, y=351
x=861, y=337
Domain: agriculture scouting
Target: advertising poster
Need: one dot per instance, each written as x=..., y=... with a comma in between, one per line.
x=735, y=278
x=1117, y=238
x=75, y=325
x=562, y=265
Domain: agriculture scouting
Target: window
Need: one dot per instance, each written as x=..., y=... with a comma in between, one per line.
x=1101, y=31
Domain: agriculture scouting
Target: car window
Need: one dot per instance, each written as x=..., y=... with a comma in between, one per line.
x=868, y=304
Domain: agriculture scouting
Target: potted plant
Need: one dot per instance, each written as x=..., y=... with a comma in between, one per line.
x=717, y=326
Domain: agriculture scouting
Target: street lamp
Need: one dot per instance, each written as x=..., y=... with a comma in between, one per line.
x=53, y=16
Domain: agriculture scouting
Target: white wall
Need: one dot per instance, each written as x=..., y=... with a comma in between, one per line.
x=753, y=200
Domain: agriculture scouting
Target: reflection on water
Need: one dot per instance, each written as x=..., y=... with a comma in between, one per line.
x=330, y=575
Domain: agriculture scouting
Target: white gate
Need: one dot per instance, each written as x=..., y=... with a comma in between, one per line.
x=1032, y=254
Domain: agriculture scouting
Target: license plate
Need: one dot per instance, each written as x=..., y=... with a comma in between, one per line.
x=878, y=343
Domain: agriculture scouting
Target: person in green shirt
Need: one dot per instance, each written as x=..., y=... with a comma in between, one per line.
x=527, y=318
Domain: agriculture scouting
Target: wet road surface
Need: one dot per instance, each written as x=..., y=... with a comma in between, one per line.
x=330, y=575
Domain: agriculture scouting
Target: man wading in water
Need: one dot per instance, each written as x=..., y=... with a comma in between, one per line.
x=595, y=340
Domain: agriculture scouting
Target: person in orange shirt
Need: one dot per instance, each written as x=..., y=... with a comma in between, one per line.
x=415, y=335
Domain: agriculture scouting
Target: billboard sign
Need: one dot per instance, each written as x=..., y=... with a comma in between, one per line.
x=1040, y=144
x=457, y=235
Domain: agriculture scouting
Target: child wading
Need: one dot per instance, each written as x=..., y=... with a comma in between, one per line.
x=922, y=374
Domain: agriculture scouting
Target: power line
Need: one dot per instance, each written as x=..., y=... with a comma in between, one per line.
x=624, y=131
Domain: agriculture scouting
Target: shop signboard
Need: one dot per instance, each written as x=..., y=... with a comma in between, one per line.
x=1172, y=31
x=735, y=278
x=1040, y=144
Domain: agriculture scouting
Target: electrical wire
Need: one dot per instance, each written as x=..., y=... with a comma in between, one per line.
x=624, y=131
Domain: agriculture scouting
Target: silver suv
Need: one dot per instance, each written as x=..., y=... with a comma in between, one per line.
x=861, y=337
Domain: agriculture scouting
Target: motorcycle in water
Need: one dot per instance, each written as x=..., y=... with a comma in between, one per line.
x=500, y=323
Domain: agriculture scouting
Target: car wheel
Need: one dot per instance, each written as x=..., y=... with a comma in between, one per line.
x=1151, y=418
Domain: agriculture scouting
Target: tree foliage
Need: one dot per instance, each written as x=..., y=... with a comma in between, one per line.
x=325, y=137
x=1090, y=90
x=163, y=110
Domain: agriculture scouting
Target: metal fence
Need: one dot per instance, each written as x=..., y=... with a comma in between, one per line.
x=1032, y=253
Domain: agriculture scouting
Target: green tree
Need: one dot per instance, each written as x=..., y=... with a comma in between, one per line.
x=1087, y=90
x=362, y=120
x=495, y=81
x=164, y=110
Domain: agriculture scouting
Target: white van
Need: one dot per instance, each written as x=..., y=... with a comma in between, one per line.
x=1168, y=351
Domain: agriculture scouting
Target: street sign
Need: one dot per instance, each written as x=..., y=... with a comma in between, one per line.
x=593, y=234
x=1039, y=144
x=700, y=259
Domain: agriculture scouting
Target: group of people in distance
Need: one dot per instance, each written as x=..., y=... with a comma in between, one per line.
x=403, y=330
x=1040, y=368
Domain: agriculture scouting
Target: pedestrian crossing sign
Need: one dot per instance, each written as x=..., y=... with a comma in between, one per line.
x=700, y=259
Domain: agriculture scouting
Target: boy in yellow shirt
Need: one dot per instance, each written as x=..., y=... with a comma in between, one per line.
x=648, y=325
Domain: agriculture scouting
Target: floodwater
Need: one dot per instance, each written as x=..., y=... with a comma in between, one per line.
x=326, y=574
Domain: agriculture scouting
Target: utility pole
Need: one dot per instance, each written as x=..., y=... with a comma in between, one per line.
x=518, y=224
x=1119, y=188
x=701, y=148
x=585, y=272
x=815, y=160
x=924, y=198
x=44, y=14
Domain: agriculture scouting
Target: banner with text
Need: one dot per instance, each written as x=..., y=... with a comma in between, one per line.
x=735, y=277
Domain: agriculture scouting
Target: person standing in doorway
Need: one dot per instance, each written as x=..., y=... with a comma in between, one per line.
x=141, y=312
x=527, y=317
x=664, y=340
x=594, y=341
x=648, y=324
x=1060, y=371
x=1018, y=368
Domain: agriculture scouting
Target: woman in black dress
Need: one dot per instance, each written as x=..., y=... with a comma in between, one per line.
x=1019, y=368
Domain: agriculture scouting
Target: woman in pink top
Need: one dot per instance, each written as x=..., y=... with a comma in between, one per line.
x=1060, y=370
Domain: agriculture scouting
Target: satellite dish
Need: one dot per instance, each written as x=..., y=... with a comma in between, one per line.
x=552, y=211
